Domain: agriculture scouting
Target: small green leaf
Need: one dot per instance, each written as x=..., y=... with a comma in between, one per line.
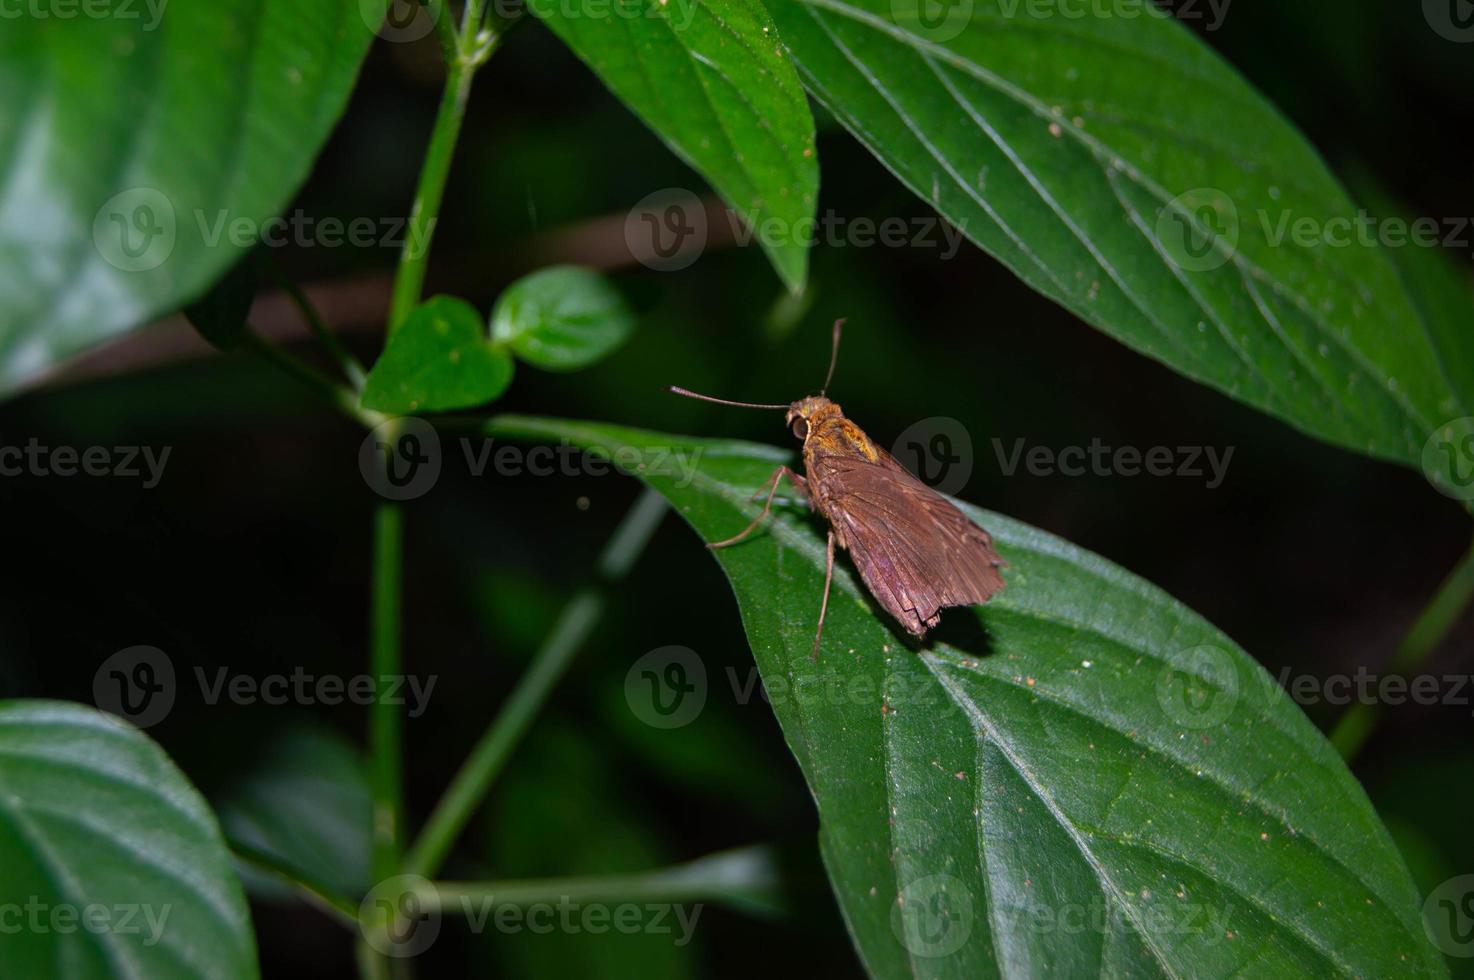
x=710, y=78
x=562, y=318
x=116, y=851
x=305, y=800
x=438, y=360
x=1080, y=778
x=1123, y=169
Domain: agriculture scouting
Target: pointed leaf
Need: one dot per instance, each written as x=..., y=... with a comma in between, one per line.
x=711, y=79
x=1080, y=778
x=1120, y=167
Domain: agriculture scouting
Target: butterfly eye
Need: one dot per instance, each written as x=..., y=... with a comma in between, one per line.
x=800, y=428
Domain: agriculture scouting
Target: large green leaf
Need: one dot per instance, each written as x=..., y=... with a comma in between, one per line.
x=135, y=146
x=709, y=77
x=112, y=864
x=1087, y=778
x=1121, y=168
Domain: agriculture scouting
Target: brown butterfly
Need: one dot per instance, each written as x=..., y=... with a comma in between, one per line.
x=915, y=551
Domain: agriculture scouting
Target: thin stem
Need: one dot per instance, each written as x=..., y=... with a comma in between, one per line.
x=444, y=30
x=341, y=397
x=569, y=633
x=1427, y=632
x=347, y=363
x=340, y=907
x=372, y=965
x=409, y=280
x=384, y=718
x=745, y=876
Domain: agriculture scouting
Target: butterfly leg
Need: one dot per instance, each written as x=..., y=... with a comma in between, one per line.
x=772, y=488
x=799, y=483
x=824, y=605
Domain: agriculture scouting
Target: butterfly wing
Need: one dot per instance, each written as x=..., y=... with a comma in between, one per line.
x=915, y=550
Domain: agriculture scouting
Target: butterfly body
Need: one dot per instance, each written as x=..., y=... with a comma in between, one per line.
x=916, y=552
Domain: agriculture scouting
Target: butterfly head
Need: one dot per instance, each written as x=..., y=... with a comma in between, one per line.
x=805, y=413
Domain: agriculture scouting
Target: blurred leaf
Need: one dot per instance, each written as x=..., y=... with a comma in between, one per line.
x=562, y=319
x=132, y=140
x=713, y=82
x=1425, y=798
x=1081, y=777
x=439, y=359
x=96, y=821
x=512, y=605
x=220, y=315
x=1440, y=289
x=305, y=801
x=1120, y=167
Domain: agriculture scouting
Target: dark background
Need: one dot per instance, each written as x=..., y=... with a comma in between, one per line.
x=253, y=552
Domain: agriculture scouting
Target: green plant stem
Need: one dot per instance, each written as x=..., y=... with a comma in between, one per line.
x=347, y=363
x=471, y=52
x=746, y=876
x=371, y=964
x=384, y=717
x=444, y=30
x=341, y=908
x=569, y=633
x=341, y=397
x=1428, y=630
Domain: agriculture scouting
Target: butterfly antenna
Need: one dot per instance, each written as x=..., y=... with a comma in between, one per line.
x=720, y=401
x=833, y=356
